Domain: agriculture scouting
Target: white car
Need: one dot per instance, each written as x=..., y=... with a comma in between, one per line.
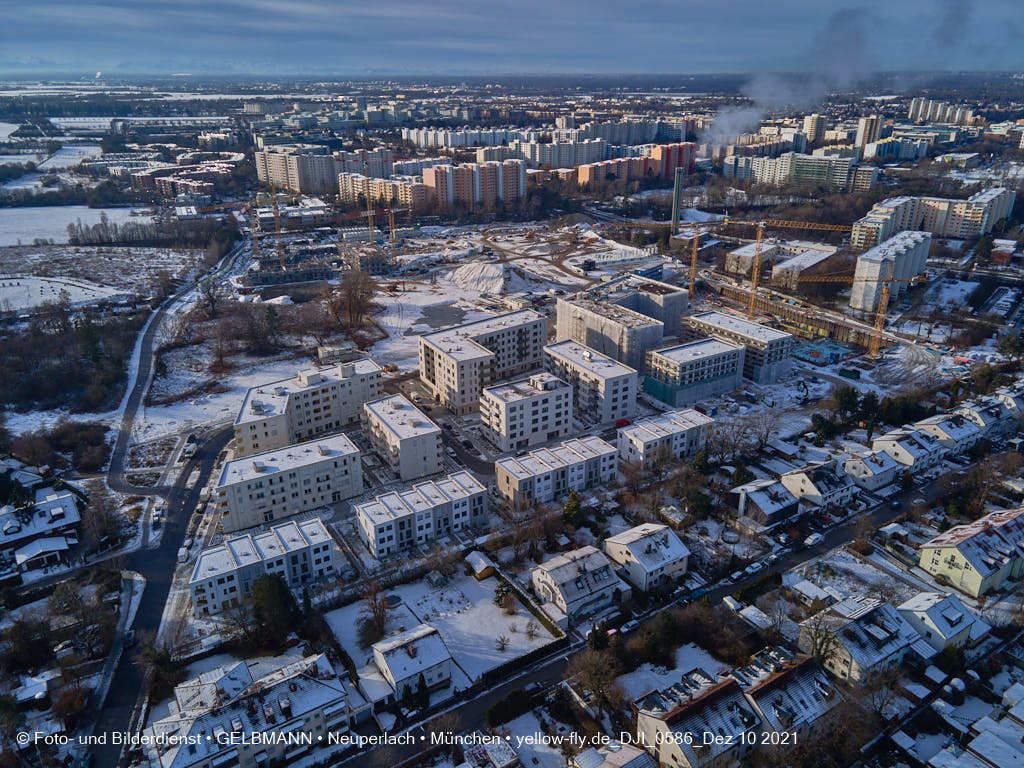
x=814, y=538
x=754, y=567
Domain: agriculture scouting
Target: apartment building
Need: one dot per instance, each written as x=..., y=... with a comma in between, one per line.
x=314, y=402
x=577, y=584
x=768, y=352
x=868, y=129
x=901, y=257
x=406, y=191
x=403, y=437
x=603, y=389
x=274, y=484
x=814, y=127
x=231, y=717
x=678, y=434
x=694, y=371
x=831, y=171
x=621, y=333
x=914, y=448
x=313, y=168
x=300, y=552
x=457, y=363
x=525, y=413
x=650, y=556
x=547, y=474
x=942, y=217
x=476, y=185
x=978, y=557
x=931, y=111
x=399, y=520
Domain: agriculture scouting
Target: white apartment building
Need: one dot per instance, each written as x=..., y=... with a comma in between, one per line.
x=603, y=389
x=399, y=520
x=651, y=556
x=458, y=362
x=547, y=474
x=300, y=552
x=404, y=438
x=912, y=447
x=768, y=354
x=678, y=434
x=402, y=658
x=694, y=371
x=525, y=413
x=901, y=257
x=314, y=402
x=275, y=484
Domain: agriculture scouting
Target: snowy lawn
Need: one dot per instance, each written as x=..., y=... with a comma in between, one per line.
x=647, y=678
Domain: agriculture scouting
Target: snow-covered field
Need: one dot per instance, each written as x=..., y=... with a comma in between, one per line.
x=463, y=612
x=70, y=156
x=647, y=678
x=18, y=293
x=133, y=270
x=50, y=222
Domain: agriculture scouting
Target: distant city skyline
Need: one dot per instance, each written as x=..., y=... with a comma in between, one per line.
x=527, y=36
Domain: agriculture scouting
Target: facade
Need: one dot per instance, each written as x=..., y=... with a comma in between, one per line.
x=869, y=634
x=403, y=437
x=621, y=333
x=673, y=434
x=978, y=557
x=39, y=532
x=814, y=127
x=942, y=217
x=872, y=470
x=954, y=431
x=300, y=552
x=692, y=372
x=525, y=413
x=768, y=352
x=867, y=130
x=272, y=485
x=402, y=658
x=766, y=503
x=942, y=620
x=579, y=583
x=312, y=168
x=820, y=484
x=400, y=520
x=603, y=389
x=912, y=447
x=901, y=257
x=314, y=402
x=791, y=168
x=550, y=473
x=458, y=362
x=650, y=556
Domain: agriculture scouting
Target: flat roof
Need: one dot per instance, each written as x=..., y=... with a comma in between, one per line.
x=422, y=496
x=459, y=341
x=695, y=350
x=254, y=548
x=564, y=454
x=400, y=417
x=537, y=385
x=614, y=312
x=270, y=398
x=736, y=324
x=668, y=423
x=283, y=459
x=584, y=357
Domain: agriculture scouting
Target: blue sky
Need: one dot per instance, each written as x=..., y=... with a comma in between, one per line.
x=496, y=36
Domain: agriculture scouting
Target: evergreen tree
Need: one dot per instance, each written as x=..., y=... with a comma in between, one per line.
x=422, y=694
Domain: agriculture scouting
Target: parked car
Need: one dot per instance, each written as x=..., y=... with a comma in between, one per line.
x=629, y=626
x=814, y=538
x=736, y=576
x=753, y=568
x=732, y=603
x=189, y=450
x=468, y=445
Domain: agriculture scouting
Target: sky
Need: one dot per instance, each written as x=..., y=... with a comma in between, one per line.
x=501, y=36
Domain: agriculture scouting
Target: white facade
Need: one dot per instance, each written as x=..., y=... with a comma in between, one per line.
x=526, y=413
x=901, y=257
x=550, y=473
x=579, y=583
x=872, y=470
x=955, y=432
x=300, y=552
x=911, y=447
x=312, y=403
x=678, y=434
x=650, y=555
x=691, y=372
x=404, y=438
x=399, y=520
x=402, y=658
x=820, y=484
x=768, y=354
x=942, y=620
x=269, y=486
x=458, y=362
x=603, y=389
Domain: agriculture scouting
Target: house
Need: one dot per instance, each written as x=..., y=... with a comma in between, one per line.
x=480, y=564
x=954, y=431
x=820, y=484
x=787, y=693
x=578, y=584
x=942, y=620
x=912, y=447
x=209, y=715
x=865, y=634
x=614, y=754
x=669, y=720
x=978, y=557
x=39, y=534
x=765, y=502
x=872, y=470
x=650, y=556
x=997, y=417
x=404, y=657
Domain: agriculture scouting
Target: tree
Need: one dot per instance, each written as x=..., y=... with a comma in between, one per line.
x=274, y=608
x=422, y=693
x=1011, y=346
x=11, y=718
x=501, y=643
x=101, y=522
x=374, y=615
x=531, y=629
x=158, y=666
x=210, y=294
x=596, y=671
x=823, y=641
x=572, y=513
x=508, y=604
x=847, y=401
x=69, y=704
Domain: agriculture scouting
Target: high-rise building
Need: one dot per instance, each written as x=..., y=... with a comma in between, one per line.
x=814, y=127
x=604, y=390
x=902, y=256
x=868, y=129
x=522, y=414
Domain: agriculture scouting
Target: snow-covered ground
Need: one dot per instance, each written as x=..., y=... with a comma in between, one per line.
x=70, y=156
x=135, y=270
x=50, y=222
x=6, y=129
x=647, y=678
x=462, y=611
x=529, y=744
x=17, y=293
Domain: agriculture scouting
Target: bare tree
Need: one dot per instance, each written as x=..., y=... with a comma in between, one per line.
x=822, y=640
x=210, y=293
x=375, y=609
x=596, y=671
x=763, y=426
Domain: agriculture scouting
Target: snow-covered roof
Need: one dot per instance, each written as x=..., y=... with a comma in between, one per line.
x=409, y=653
x=429, y=494
x=250, y=549
x=871, y=631
x=914, y=441
x=740, y=326
x=788, y=694
x=400, y=417
x=873, y=462
x=953, y=425
x=56, y=510
x=578, y=573
x=769, y=495
x=823, y=476
x=696, y=350
x=989, y=543
x=652, y=546
x=946, y=614
x=461, y=341
x=537, y=385
x=994, y=751
x=614, y=755
x=285, y=459
x=665, y=424
x=543, y=460
x=594, y=363
x=39, y=547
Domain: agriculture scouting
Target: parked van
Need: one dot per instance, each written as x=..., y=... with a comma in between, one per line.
x=732, y=603
x=183, y=555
